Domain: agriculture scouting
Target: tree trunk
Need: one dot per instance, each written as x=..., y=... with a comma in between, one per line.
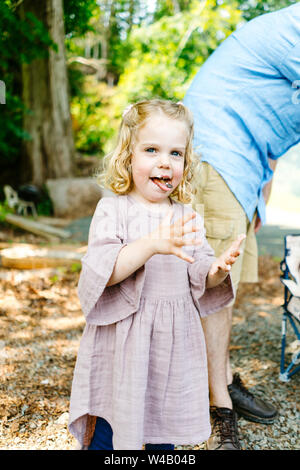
x=50, y=151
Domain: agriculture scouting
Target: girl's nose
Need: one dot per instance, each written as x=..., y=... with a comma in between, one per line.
x=164, y=160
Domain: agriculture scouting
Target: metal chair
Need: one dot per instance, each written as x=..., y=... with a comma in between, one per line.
x=290, y=267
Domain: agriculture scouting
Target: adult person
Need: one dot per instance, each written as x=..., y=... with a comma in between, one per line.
x=247, y=114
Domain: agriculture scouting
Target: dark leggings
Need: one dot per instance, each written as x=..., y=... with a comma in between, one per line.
x=102, y=438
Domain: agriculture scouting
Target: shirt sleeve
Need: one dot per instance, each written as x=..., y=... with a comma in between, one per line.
x=102, y=304
x=290, y=65
x=207, y=301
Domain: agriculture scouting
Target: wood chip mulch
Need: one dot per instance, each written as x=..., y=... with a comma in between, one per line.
x=40, y=327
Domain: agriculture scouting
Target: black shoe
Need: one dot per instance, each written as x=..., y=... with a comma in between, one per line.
x=248, y=406
x=224, y=434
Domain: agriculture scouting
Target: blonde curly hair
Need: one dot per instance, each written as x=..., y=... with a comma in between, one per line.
x=116, y=174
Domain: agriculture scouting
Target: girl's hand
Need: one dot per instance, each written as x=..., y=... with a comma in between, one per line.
x=168, y=239
x=221, y=267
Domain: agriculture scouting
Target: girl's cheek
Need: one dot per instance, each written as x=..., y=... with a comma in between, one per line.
x=178, y=172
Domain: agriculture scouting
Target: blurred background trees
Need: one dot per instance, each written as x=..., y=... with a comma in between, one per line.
x=78, y=63
x=49, y=152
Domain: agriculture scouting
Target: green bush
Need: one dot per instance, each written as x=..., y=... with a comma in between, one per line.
x=4, y=210
x=21, y=40
x=94, y=122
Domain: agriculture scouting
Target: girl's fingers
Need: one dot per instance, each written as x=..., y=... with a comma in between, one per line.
x=183, y=220
x=181, y=254
x=222, y=266
x=231, y=259
x=225, y=268
x=235, y=247
x=164, y=229
x=180, y=228
x=177, y=230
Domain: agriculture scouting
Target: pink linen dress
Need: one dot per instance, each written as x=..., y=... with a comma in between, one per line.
x=141, y=363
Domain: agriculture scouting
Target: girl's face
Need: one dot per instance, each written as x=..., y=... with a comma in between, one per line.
x=158, y=158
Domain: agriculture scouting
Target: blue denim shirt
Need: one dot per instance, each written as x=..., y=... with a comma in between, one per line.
x=246, y=103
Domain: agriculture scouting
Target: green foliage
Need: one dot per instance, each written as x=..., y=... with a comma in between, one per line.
x=169, y=8
x=149, y=48
x=11, y=131
x=252, y=8
x=93, y=117
x=21, y=40
x=75, y=267
x=153, y=54
x=54, y=278
x=45, y=207
x=77, y=16
x=152, y=60
x=167, y=54
x=4, y=209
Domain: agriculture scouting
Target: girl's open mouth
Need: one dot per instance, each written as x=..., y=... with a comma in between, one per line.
x=163, y=182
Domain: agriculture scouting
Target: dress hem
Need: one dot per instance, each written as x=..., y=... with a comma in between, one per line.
x=176, y=441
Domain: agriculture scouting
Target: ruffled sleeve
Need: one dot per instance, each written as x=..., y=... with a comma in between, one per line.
x=102, y=304
x=211, y=300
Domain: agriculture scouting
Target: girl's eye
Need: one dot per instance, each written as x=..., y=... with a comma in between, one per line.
x=151, y=150
x=176, y=153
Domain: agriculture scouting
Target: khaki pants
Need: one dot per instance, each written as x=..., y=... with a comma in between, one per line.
x=224, y=220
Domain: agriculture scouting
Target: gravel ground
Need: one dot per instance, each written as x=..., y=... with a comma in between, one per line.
x=257, y=328
x=40, y=329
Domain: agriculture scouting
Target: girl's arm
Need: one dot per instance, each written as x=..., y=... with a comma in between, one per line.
x=130, y=259
x=167, y=239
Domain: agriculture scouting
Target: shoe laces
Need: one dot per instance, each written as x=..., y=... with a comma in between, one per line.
x=225, y=427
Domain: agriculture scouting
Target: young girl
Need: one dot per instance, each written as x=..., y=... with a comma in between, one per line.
x=147, y=278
